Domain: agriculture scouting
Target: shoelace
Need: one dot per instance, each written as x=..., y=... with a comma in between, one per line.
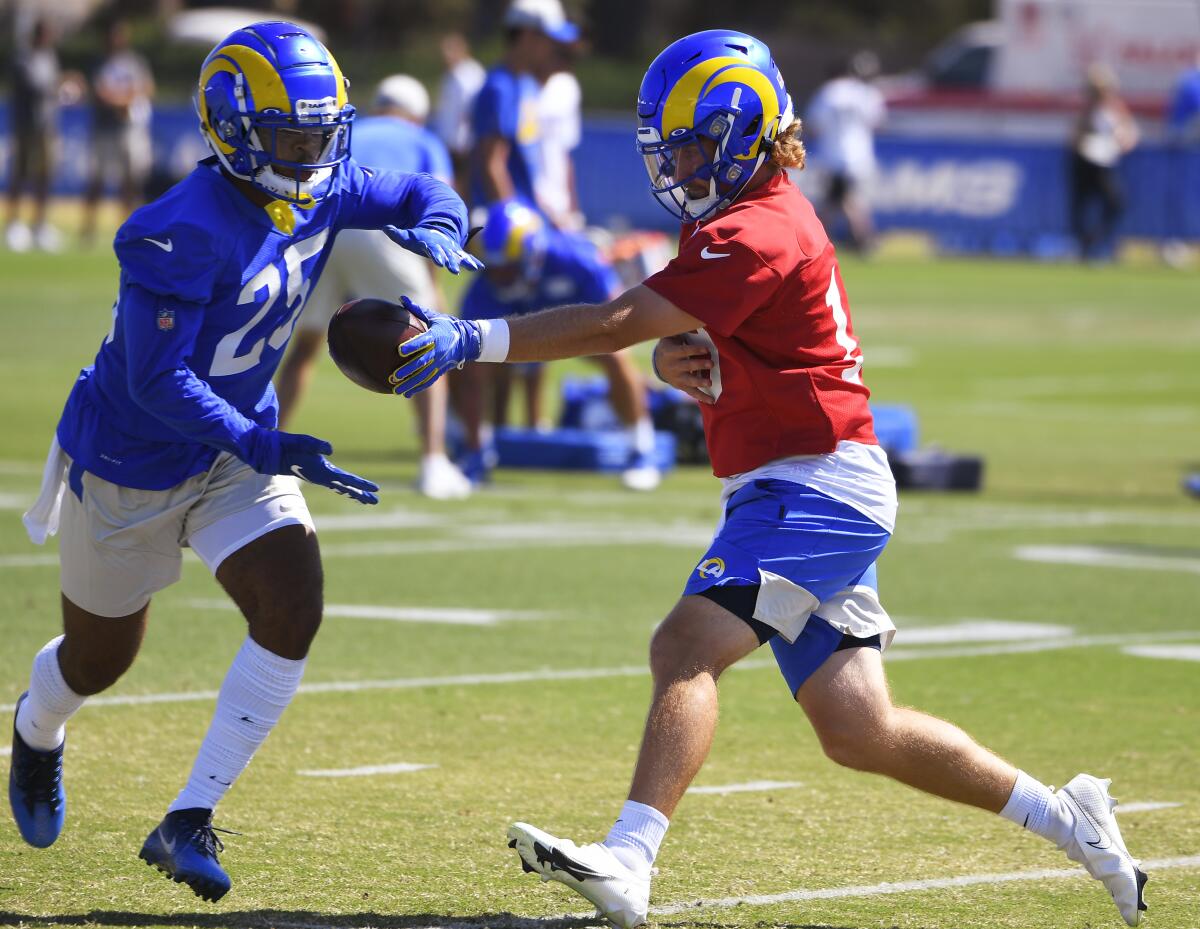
x=40, y=773
x=203, y=836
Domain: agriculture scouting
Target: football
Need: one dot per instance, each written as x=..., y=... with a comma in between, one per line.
x=363, y=336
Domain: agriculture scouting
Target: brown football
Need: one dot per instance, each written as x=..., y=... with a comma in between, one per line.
x=363, y=336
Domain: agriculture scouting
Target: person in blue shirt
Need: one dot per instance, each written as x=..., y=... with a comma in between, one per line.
x=506, y=160
x=532, y=266
x=365, y=262
x=169, y=439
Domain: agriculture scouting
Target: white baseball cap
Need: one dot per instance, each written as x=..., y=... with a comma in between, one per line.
x=546, y=16
x=405, y=93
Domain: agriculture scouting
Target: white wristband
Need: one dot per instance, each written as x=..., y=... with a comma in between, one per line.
x=493, y=340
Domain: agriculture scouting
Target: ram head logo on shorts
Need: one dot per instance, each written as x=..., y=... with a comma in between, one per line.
x=711, y=568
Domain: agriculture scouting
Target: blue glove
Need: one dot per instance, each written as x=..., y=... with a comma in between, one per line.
x=448, y=343
x=435, y=245
x=273, y=452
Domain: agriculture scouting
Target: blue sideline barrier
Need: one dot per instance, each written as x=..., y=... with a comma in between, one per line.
x=1000, y=197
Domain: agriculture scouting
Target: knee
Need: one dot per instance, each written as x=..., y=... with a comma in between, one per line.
x=859, y=744
x=286, y=621
x=95, y=668
x=675, y=654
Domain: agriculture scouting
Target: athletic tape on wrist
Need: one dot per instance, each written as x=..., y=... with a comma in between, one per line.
x=493, y=340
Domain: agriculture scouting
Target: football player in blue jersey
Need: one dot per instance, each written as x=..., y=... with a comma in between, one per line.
x=169, y=440
x=532, y=266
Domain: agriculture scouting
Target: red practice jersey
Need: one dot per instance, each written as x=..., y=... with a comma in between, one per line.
x=763, y=276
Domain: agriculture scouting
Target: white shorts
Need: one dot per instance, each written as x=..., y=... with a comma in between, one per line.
x=120, y=545
x=366, y=263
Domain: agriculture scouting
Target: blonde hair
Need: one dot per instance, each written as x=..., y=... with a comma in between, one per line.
x=788, y=150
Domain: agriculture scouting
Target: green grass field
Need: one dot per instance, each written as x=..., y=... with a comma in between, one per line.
x=1080, y=386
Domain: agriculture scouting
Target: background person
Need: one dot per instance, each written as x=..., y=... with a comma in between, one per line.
x=366, y=263
x=33, y=128
x=461, y=81
x=122, y=93
x=530, y=265
x=842, y=118
x=506, y=162
x=1104, y=133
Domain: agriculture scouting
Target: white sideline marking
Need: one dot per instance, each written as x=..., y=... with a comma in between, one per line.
x=1095, y=556
x=1147, y=807
x=1178, y=652
x=748, y=787
x=28, y=561
x=400, y=767
x=14, y=501
x=589, y=674
x=6, y=750
x=451, y=616
x=979, y=630
x=900, y=887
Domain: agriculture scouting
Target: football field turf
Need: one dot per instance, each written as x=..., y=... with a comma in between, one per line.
x=484, y=661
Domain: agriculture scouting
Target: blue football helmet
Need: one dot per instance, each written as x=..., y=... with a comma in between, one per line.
x=718, y=85
x=513, y=247
x=271, y=96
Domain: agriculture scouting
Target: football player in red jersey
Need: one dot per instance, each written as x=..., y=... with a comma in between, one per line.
x=753, y=320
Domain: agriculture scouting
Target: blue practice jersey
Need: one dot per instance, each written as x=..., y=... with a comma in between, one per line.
x=572, y=271
x=210, y=289
x=390, y=143
x=507, y=106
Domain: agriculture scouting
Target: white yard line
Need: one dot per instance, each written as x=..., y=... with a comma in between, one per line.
x=5, y=750
x=589, y=674
x=1095, y=556
x=721, y=790
x=1176, y=652
x=28, y=561
x=791, y=896
x=400, y=767
x=901, y=887
x=1124, y=809
x=977, y=630
x=452, y=616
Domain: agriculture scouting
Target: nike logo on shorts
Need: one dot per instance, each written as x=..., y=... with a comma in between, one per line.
x=167, y=246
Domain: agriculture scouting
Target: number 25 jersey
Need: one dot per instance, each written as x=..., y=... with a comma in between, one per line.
x=211, y=287
x=763, y=277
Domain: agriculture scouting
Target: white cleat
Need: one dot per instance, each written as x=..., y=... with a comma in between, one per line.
x=592, y=871
x=441, y=479
x=1098, y=846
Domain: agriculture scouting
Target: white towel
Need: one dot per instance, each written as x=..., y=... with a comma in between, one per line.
x=42, y=519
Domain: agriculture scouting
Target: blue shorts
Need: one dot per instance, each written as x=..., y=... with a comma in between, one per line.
x=791, y=560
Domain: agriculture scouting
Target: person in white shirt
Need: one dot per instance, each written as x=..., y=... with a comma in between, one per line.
x=451, y=121
x=560, y=124
x=122, y=88
x=1104, y=132
x=842, y=119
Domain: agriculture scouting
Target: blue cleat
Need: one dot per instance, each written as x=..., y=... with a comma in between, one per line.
x=477, y=465
x=35, y=790
x=184, y=847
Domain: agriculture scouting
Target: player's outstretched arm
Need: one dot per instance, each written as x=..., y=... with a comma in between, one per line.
x=417, y=211
x=638, y=315
x=161, y=381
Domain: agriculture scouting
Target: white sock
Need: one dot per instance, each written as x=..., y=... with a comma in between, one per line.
x=256, y=691
x=641, y=436
x=636, y=835
x=1034, y=806
x=44, y=713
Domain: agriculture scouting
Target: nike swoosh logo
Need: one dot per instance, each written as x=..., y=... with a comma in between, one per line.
x=169, y=845
x=300, y=474
x=213, y=777
x=167, y=246
x=705, y=253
